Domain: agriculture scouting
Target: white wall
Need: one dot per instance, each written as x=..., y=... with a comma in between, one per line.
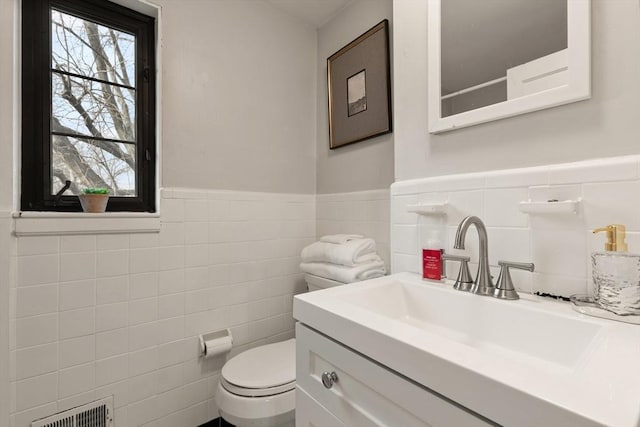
x=606, y=125
x=362, y=212
x=6, y=103
x=100, y=314
x=6, y=243
x=239, y=97
x=120, y=314
x=366, y=165
x=6, y=192
x=558, y=244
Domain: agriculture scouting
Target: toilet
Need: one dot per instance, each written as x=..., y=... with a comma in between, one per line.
x=257, y=387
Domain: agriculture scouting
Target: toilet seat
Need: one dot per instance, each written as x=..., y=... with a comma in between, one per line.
x=256, y=392
x=262, y=371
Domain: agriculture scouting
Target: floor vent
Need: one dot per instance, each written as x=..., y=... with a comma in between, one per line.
x=94, y=414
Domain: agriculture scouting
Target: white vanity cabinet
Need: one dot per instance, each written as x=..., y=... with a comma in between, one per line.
x=309, y=413
x=409, y=352
x=365, y=392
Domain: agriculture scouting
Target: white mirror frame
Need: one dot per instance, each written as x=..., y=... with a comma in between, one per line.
x=579, y=87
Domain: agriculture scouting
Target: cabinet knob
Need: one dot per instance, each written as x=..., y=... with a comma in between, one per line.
x=328, y=378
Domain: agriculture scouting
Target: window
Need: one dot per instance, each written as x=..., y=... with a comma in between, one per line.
x=88, y=104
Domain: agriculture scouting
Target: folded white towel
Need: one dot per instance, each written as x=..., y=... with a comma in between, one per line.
x=344, y=274
x=350, y=253
x=339, y=239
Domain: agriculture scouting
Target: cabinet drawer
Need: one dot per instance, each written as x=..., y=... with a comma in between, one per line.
x=366, y=393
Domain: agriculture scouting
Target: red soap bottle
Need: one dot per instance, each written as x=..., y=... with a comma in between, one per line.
x=432, y=260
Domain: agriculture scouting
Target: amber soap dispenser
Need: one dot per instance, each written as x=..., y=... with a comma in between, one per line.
x=616, y=273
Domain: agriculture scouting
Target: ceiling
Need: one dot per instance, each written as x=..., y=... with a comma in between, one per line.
x=314, y=12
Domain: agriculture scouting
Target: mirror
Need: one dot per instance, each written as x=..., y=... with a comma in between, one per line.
x=493, y=59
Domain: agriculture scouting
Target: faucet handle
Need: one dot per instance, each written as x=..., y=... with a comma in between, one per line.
x=504, y=288
x=464, y=281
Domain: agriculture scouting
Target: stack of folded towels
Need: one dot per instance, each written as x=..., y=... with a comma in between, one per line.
x=343, y=257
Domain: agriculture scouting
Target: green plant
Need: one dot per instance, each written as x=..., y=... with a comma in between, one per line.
x=96, y=191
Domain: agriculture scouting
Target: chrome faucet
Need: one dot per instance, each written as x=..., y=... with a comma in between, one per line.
x=482, y=285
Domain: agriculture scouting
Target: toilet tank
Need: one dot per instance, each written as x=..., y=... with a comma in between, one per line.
x=315, y=283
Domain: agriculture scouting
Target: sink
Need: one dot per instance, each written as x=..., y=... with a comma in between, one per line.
x=528, y=362
x=494, y=326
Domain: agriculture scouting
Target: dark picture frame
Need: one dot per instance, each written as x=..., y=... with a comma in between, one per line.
x=359, y=86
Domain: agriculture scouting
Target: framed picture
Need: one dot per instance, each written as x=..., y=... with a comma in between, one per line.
x=358, y=77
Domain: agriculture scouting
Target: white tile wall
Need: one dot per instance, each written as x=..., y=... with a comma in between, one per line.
x=559, y=245
x=363, y=212
x=95, y=315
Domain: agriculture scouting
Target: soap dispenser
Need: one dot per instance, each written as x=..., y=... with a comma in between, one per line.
x=616, y=274
x=432, y=231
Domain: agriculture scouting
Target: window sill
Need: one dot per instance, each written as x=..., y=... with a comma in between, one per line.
x=68, y=223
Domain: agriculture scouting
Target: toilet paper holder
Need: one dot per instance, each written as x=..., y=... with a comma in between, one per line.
x=215, y=343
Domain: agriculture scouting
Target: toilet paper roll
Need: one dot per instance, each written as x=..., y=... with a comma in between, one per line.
x=215, y=343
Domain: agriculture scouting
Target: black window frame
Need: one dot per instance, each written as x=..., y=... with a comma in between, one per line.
x=37, y=102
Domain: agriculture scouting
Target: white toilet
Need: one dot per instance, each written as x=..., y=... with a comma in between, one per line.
x=257, y=387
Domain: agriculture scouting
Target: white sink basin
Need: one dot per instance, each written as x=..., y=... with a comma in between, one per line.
x=487, y=324
x=529, y=362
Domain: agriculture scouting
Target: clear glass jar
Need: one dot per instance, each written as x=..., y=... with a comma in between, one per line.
x=616, y=282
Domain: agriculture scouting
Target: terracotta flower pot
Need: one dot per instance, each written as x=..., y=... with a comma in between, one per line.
x=94, y=203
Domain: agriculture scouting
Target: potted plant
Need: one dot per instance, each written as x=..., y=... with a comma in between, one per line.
x=94, y=200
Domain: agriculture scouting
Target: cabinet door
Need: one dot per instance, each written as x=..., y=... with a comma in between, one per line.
x=367, y=394
x=310, y=413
